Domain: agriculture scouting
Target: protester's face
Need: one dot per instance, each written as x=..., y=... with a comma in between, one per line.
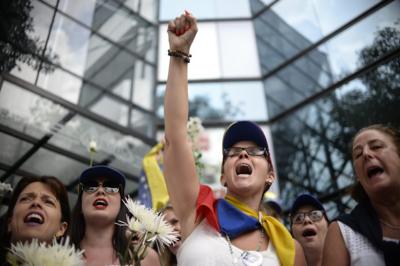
x=101, y=206
x=310, y=234
x=37, y=214
x=171, y=218
x=246, y=174
x=376, y=161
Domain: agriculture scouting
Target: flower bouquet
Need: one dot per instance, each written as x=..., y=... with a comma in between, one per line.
x=41, y=254
x=145, y=228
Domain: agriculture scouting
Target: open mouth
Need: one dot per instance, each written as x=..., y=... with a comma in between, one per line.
x=309, y=232
x=243, y=169
x=34, y=218
x=100, y=202
x=374, y=170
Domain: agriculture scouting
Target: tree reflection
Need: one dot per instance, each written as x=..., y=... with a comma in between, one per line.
x=16, y=44
x=312, y=145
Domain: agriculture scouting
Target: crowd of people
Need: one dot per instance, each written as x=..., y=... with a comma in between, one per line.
x=234, y=230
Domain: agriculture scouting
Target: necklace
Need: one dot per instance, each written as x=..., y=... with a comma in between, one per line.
x=248, y=258
x=393, y=227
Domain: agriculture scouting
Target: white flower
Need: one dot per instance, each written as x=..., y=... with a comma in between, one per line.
x=41, y=254
x=92, y=146
x=150, y=224
x=4, y=188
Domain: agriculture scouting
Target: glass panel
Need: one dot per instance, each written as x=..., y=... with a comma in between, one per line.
x=223, y=101
x=116, y=23
x=121, y=150
x=110, y=68
x=111, y=109
x=344, y=54
x=45, y=162
x=311, y=145
x=80, y=10
x=69, y=41
x=240, y=59
x=12, y=149
x=32, y=35
x=205, y=9
x=143, y=122
x=32, y=115
x=147, y=9
x=314, y=19
x=62, y=84
x=213, y=48
x=257, y=5
x=143, y=85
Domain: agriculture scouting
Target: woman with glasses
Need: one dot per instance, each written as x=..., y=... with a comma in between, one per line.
x=39, y=209
x=309, y=225
x=99, y=206
x=370, y=234
x=230, y=231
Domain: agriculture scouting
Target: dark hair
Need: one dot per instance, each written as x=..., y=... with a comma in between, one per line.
x=357, y=191
x=56, y=187
x=77, y=228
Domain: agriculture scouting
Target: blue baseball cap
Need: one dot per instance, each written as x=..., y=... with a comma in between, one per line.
x=97, y=171
x=306, y=199
x=244, y=131
x=274, y=205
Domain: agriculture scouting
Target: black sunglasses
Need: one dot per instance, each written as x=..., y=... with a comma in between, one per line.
x=108, y=187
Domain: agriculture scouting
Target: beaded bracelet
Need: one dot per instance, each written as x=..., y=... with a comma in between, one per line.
x=179, y=54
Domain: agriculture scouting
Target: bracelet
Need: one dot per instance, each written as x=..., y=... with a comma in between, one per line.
x=179, y=54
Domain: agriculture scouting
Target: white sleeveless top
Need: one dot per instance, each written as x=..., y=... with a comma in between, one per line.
x=206, y=246
x=361, y=251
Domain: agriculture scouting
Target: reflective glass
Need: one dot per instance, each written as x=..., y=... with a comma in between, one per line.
x=311, y=144
x=62, y=84
x=223, y=101
x=111, y=109
x=41, y=16
x=80, y=10
x=115, y=22
x=143, y=122
x=320, y=68
x=69, y=41
x=227, y=49
x=12, y=149
x=205, y=9
x=316, y=18
x=45, y=162
x=32, y=115
x=122, y=150
x=143, y=85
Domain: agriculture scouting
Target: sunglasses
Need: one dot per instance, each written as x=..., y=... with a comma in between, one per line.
x=108, y=187
x=315, y=216
x=252, y=151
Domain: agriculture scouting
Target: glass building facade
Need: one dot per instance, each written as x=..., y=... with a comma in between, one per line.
x=311, y=72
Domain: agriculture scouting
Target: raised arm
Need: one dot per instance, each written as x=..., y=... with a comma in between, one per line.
x=179, y=166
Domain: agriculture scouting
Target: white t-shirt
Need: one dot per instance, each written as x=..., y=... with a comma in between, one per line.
x=361, y=251
x=206, y=246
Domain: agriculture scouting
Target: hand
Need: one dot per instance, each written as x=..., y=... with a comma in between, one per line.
x=181, y=32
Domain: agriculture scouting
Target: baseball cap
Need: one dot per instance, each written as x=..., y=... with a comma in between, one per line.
x=306, y=199
x=244, y=131
x=97, y=171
